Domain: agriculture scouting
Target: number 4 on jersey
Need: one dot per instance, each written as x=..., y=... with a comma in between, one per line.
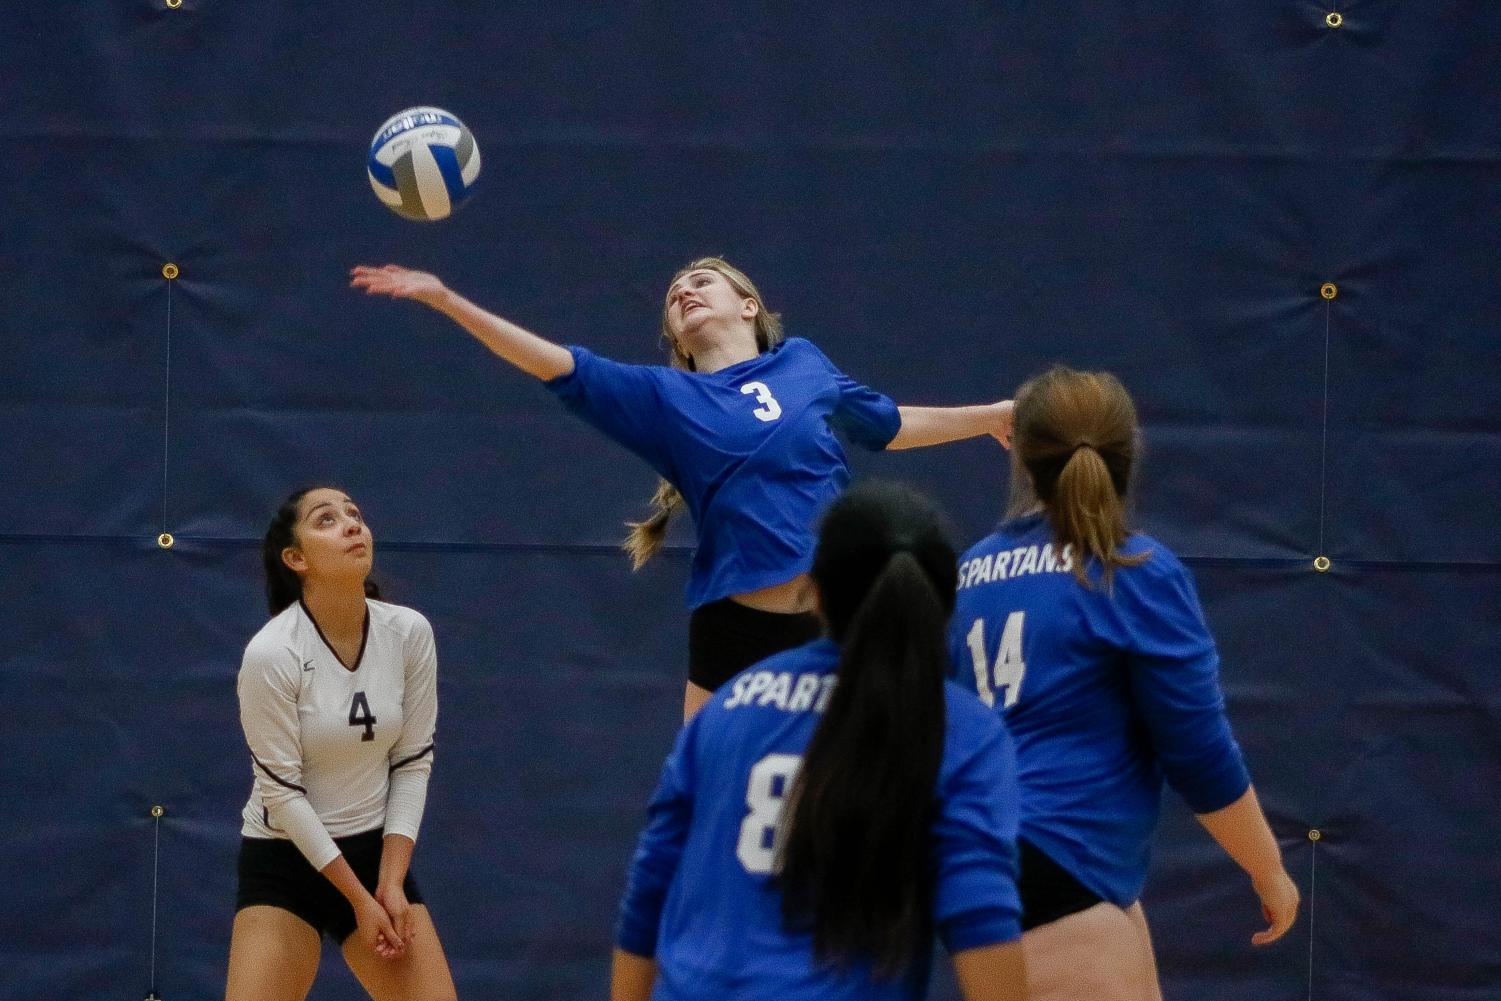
x=368, y=720
x=1009, y=667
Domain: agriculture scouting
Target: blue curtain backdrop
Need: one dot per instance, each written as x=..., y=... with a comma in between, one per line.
x=946, y=199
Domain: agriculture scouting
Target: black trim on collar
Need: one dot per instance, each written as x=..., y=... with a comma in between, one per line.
x=364, y=636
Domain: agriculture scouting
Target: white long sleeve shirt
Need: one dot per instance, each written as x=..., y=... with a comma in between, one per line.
x=338, y=750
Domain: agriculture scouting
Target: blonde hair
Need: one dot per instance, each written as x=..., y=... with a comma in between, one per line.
x=646, y=537
x=1076, y=437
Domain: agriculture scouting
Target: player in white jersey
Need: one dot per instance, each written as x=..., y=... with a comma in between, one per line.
x=338, y=700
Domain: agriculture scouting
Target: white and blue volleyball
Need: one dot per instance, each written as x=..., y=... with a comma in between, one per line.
x=423, y=163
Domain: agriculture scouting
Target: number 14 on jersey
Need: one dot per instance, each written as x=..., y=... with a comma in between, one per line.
x=1005, y=675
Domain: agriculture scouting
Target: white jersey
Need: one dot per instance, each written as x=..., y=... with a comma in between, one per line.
x=338, y=750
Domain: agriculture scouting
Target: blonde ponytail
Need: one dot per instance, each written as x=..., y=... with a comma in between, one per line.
x=647, y=537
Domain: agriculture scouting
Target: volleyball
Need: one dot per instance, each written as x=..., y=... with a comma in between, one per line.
x=423, y=163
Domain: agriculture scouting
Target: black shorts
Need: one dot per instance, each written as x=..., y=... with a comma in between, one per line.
x=1048, y=891
x=725, y=637
x=274, y=871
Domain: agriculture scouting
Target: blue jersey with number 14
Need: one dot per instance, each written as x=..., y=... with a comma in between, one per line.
x=751, y=448
x=701, y=896
x=1104, y=692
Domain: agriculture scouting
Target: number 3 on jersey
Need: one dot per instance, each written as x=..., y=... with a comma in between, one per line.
x=1009, y=667
x=770, y=780
x=770, y=409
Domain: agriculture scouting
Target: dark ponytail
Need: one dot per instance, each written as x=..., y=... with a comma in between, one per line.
x=854, y=854
x=283, y=586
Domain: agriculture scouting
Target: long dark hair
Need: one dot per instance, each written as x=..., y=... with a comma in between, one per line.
x=854, y=852
x=283, y=586
x=1077, y=438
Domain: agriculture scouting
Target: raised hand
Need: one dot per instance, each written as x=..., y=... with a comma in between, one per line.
x=397, y=282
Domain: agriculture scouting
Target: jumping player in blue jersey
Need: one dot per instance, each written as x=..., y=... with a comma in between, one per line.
x=836, y=804
x=741, y=429
x=1089, y=639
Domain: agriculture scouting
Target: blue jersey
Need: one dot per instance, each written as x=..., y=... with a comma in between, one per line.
x=751, y=448
x=1105, y=694
x=700, y=896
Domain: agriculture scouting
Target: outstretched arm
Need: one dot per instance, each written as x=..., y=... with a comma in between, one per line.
x=522, y=348
x=924, y=426
x=1241, y=829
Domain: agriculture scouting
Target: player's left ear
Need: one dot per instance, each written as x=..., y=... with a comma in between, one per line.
x=749, y=309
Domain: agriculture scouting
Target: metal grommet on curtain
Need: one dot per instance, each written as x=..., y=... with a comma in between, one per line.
x=158, y=810
x=1322, y=564
x=170, y=270
x=165, y=540
x=174, y=4
x=1315, y=834
x=1334, y=18
x=1328, y=290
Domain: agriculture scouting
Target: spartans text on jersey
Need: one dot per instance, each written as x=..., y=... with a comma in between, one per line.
x=1016, y=562
x=777, y=688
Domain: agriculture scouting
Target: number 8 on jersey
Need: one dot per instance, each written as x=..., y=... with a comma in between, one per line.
x=770, y=780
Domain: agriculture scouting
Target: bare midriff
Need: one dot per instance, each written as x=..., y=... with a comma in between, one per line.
x=787, y=598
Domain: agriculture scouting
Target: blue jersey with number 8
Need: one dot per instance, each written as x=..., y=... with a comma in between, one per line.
x=701, y=896
x=1105, y=694
x=751, y=448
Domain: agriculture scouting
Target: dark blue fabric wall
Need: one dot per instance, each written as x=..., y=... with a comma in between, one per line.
x=944, y=199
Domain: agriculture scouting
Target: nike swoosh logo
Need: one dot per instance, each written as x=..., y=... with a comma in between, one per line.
x=307, y=665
